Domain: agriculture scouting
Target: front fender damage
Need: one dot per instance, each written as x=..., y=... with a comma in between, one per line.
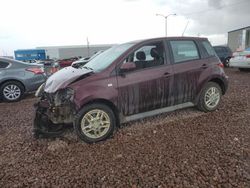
x=53, y=112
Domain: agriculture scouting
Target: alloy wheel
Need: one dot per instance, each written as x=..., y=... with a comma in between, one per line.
x=95, y=123
x=212, y=97
x=11, y=92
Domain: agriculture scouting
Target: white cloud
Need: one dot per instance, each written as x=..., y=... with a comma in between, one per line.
x=31, y=23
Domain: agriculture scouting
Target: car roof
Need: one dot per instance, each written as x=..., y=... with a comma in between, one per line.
x=8, y=59
x=15, y=63
x=12, y=61
x=5, y=59
x=168, y=38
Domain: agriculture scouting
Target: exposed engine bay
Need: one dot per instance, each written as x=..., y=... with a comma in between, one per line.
x=53, y=111
x=56, y=107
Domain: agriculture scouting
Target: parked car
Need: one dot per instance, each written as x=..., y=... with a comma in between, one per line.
x=241, y=60
x=66, y=62
x=224, y=53
x=50, y=66
x=81, y=62
x=17, y=77
x=129, y=82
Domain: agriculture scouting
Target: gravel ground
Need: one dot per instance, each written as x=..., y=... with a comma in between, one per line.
x=186, y=148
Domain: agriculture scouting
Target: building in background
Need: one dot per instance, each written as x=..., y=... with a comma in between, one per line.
x=30, y=54
x=239, y=39
x=59, y=52
x=64, y=52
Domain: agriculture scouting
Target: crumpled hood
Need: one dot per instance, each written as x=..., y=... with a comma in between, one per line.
x=63, y=78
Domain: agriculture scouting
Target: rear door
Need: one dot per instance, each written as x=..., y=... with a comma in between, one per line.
x=3, y=66
x=187, y=67
x=149, y=86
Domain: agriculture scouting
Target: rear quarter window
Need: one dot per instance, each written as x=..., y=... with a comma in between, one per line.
x=209, y=49
x=184, y=51
x=3, y=64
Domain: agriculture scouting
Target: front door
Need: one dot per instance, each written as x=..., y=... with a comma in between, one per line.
x=149, y=86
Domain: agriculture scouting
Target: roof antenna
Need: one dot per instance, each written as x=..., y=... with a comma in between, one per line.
x=185, y=28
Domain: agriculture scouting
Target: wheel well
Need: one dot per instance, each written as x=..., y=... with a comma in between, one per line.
x=109, y=104
x=220, y=83
x=13, y=80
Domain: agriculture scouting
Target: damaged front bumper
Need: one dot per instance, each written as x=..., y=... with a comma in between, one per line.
x=53, y=111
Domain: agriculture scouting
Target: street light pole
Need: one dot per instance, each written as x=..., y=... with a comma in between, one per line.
x=166, y=26
x=166, y=21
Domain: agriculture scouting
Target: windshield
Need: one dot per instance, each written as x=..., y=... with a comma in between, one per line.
x=105, y=59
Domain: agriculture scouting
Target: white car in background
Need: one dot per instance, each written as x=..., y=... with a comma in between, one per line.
x=81, y=62
x=241, y=60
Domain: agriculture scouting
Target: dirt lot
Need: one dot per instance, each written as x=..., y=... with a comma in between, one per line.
x=186, y=148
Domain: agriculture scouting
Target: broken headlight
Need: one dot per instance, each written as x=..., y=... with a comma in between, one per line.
x=63, y=96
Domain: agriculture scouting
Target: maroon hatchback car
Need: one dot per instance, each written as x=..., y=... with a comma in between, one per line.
x=128, y=82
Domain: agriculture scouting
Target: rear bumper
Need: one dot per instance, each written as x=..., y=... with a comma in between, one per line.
x=240, y=64
x=34, y=82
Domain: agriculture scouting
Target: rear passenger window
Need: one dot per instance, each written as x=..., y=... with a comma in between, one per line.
x=209, y=48
x=3, y=64
x=184, y=51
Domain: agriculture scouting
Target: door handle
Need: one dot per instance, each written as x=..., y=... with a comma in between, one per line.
x=166, y=74
x=204, y=66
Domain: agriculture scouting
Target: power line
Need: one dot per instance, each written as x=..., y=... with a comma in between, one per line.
x=221, y=7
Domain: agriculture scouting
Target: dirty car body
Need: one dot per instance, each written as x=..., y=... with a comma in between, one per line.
x=128, y=82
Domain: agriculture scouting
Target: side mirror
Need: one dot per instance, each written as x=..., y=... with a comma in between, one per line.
x=127, y=67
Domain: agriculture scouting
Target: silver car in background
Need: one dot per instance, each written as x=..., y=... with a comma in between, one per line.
x=17, y=77
x=241, y=60
x=81, y=62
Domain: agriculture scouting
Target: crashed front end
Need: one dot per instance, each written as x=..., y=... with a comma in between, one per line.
x=53, y=111
x=56, y=106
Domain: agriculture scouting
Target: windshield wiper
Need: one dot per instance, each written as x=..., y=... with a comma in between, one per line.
x=87, y=68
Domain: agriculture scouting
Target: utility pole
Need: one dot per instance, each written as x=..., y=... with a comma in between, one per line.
x=88, y=47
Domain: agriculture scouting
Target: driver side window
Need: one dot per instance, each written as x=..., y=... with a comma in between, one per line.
x=147, y=56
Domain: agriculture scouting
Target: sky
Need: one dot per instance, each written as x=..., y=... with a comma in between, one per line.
x=32, y=23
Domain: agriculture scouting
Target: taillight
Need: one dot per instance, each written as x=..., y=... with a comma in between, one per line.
x=221, y=65
x=247, y=56
x=35, y=70
x=53, y=70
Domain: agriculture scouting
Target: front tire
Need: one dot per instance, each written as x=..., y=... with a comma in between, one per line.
x=210, y=97
x=94, y=123
x=11, y=91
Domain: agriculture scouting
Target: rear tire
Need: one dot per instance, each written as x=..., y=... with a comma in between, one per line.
x=95, y=122
x=210, y=97
x=226, y=62
x=11, y=91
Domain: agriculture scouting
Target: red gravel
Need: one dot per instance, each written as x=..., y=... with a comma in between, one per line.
x=186, y=148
